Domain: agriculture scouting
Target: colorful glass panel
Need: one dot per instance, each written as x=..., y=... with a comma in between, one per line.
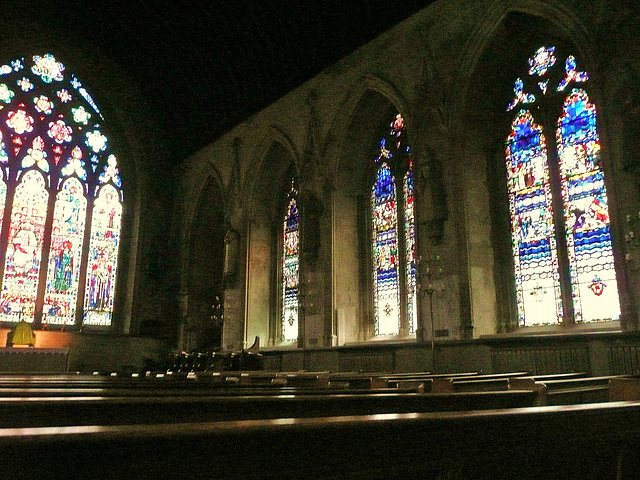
x=103, y=257
x=385, y=253
x=520, y=95
x=542, y=61
x=410, y=248
x=586, y=212
x=532, y=229
x=50, y=125
x=24, y=249
x=65, y=254
x=290, y=266
x=573, y=74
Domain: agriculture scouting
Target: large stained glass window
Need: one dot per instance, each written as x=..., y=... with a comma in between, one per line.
x=560, y=189
x=60, y=198
x=392, y=242
x=290, y=264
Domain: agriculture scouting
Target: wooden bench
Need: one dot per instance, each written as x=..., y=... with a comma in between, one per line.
x=141, y=408
x=598, y=441
x=490, y=382
x=564, y=390
x=624, y=388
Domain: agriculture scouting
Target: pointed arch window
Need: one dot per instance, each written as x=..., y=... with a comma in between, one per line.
x=561, y=233
x=393, y=236
x=290, y=265
x=60, y=198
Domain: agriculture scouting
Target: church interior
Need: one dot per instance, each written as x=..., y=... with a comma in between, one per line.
x=403, y=238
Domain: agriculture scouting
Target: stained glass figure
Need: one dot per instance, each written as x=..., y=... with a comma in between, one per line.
x=103, y=257
x=65, y=254
x=290, y=266
x=24, y=250
x=385, y=253
x=532, y=229
x=586, y=212
x=410, y=248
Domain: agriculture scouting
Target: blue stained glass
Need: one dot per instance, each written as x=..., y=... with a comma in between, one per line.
x=385, y=252
x=387, y=259
x=591, y=266
x=535, y=260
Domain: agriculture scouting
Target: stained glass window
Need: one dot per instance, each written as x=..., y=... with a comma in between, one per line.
x=586, y=211
x=532, y=228
x=580, y=198
x=393, y=236
x=61, y=192
x=290, y=265
x=385, y=253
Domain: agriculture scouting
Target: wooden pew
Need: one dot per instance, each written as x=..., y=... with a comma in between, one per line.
x=491, y=382
x=564, y=390
x=624, y=388
x=109, y=410
x=403, y=379
x=598, y=441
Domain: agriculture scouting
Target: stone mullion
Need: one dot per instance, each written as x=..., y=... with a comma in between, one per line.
x=557, y=205
x=44, y=255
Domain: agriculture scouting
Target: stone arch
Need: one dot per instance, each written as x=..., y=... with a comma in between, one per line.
x=367, y=87
x=205, y=262
x=277, y=157
x=364, y=119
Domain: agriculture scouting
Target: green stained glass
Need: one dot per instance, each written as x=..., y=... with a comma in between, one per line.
x=65, y=254
x=410, y=249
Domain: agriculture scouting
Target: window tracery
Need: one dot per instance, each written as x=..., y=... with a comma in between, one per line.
x=60, y=197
